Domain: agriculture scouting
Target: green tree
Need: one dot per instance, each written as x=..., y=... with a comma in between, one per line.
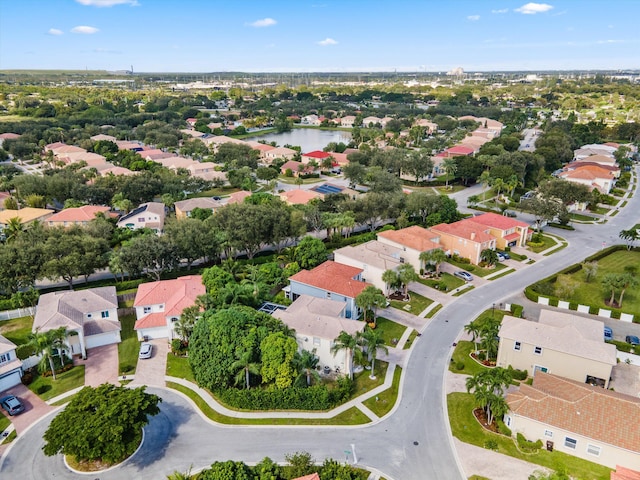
x=612, y=282
x=473, y=329
x=300, y=464
x=44, y=344
x=488, y=387
x=590, y=270
x=449, y=166
x=371, y=298
x=278, y=354
x=435, y=257
x=489, y=256
x=627, y=280
x=103, y=423
x=347, y=342
x=306, y=363
x=631, y=236
x=245, y=367
x=310, y=252
x=373, y=343
x=406, y=275
x=391, y=279
x=148, y=254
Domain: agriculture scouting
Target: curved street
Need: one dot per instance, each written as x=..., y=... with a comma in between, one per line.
x=412, y=443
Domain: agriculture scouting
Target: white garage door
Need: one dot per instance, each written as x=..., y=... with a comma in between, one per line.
x=102, y=339
x=11, y=380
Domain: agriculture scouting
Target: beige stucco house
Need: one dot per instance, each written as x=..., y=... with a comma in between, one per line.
x=588, y=422
x=148, y=215
x=412, y=241
x=560, y=343
x=465, y=238
x=373, y=258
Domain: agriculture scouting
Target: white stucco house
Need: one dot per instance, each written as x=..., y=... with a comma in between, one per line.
x=10, y=365
x=90, y=317
x=148, y=215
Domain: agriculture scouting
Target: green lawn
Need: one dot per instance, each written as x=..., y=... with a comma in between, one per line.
x=582, y=218
x=476, y=269
x=129, y=347
x=353, y=416
x=449, y=280
x=593, y=293
x=47, y=388
x=434, y=310
x=17, y=330
x=4, y=423
x=362, y=383
x=416, y=305
x=466, y=428
x=461, y=355
x=215, y=192
x=179, y=367
x=547, y=242
x=389, y=330
x=382, y=403
x=411, y=339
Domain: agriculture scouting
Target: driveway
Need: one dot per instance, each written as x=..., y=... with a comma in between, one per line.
x=101, y=365
x=35, y=408
x=151, y=371
x=626, y=379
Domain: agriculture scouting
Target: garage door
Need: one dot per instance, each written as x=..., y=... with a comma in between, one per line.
x=102, y=339
x=10, y=380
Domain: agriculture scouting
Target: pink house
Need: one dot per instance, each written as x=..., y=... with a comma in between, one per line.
x=465, y=238
x=76, y=216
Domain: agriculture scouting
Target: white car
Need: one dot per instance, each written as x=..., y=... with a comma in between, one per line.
x=466, y=276
x=145, y=350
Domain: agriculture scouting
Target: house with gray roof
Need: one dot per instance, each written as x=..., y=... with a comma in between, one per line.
x=10, y=365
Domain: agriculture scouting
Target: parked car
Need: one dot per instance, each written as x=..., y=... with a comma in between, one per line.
x=504, y=254
x=466, y=276
x=632, y=339
x=145, y=350
x=608, y=333
x=510, y=213
x=12, y=405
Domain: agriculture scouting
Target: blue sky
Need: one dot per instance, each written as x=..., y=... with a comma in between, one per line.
x=318, y=35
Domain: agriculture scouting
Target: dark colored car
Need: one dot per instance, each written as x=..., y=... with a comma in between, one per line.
x=632, y=339
x=12, y=405
x=608, y=333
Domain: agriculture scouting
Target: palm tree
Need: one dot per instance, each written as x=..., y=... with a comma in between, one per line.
x=489, y=335
x=434, y=257
x=485, y=179
x=187, y=322
x=370, y=298
x=245, y=367
x=630, y=236
x=176, y=475
x=391, y=279
x=406, y=275
x=498, y=184
x=373, y=342
x=347, y=342
x=473, y=329
x=306, y=363
x=449, y=166
x=512, y=184
x=612, y=282
x=489, y=256
x=627, y=280
x=45, y=343
x=13, y=229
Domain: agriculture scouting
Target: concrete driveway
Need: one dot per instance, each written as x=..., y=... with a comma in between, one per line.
x=101, y=366
x=151, y=371
x=35, y=408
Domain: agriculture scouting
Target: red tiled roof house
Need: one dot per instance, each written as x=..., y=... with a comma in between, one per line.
x=465, y=238
x=76, y=216
x=508, y=231
x=412, y=241
x=159, y=305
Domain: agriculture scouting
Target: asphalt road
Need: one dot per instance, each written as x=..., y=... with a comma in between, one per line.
x=413, y=443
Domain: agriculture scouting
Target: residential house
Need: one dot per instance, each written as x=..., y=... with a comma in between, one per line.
x=191, y=122
x=412, y=241
x=134, y=146
x=311, y=120
x=339, y=159
x=315, y=476
x=76, y=216
x=508, y=232
x=8, y=136
x=325, y=189
x=25, y=216
x=238, y=197
x=593, y=177
x=116, y=171
x=474, y=142
x=603, y=160
x=90, y=317
x=317, y=155
x=373, y=259
x=296, y=168
x=185, y=207
x=371, y=121
x=465, y=238
x=594, y=150
x=10, y=365
x=280, y=152
x=103, y=138
x=159, y=305
x=623, y=473
x=261, y=147
x=330, y=280
x=217, y=140
x=457, y=151
x=578, y=419
x=298, y=196
x=193, y=133
x=384, y=121
x=318, y=322
x=487, y=123
x=148, y=215
x=560, y=343
x=427, y=124
x=347, y=121
x=60, y=148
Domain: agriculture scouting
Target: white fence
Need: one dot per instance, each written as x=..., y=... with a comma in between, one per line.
x=17, y=313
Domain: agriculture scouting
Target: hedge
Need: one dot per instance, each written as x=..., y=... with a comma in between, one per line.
x=528, y=446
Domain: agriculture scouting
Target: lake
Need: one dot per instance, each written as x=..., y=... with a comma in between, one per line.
x=309, y=139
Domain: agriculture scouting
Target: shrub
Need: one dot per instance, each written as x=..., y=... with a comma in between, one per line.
x=502, y=428
x=24, y=351
x=460, y=366
x=528, y=446
x=516, y=310
x=491, y=445
x=518, y=374
x=179, y=347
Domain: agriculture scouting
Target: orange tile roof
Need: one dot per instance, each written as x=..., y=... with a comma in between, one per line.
x=313, y=476
x=333, y=277
x=298, y=196
x=151, y=320
x=622, y=473
x=465, y=229
x=414, y=237
x=593, y=412
x=85, y=213
x=238, y=197
x=500, y=222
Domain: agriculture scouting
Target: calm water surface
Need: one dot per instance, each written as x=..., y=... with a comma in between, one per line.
x=309, y=139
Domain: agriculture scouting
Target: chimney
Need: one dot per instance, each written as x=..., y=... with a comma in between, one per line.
x=473, y=235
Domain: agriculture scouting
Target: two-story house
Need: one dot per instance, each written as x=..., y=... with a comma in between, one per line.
x=76, y=216
x=318, y=322
x=90, y=317
x=412, y=241
x=373, y=259
x=508, y=232
x=148, y=215
x=10, y=365
x=560, y=343
x=159, y=305
x=465, y=238
x=330, y=280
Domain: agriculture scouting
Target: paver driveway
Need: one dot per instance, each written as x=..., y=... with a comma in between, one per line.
x=151, y=371
x=101, y=365
x=34, y=408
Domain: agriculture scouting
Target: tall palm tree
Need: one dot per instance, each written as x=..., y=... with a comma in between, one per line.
x=391, y=279
x=473, y=329
x=449, y=166
x=45, y=343
x=347, y=342
x=485, y=179
x=434, y=257
x=13, y=229
x=372, y=340
x=489, y=255
x=370, y=298
x=306, y=363
x=245, y=367
x=406, y=275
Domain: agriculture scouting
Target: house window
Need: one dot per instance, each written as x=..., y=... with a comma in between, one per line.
x=146, y=310
x=141, y=219
x=4, y=358
x=316, y=342
x=548, y=433
x=105, y=314
x=537, y=350
x=570, y=443
x=517, y=346
x=507, y=420
x=593, y=450
x=328, y=294
x=174, y=319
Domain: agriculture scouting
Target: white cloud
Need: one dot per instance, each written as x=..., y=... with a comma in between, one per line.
x=55, y=31
x=327, y=41
x=264, y=22
x=84, y=30
x=502, y=10
x=533, y=8
x=108, y=3
x=473, y=18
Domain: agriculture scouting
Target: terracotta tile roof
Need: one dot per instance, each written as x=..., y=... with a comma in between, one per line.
x=414, y=237
x=151, y=320
x=460, y=150
x=499, y=222
x=597, y=159
x=317, y=154
x=333, y=277
x=622, y=473
x=117, y=171
x=197, y=202
x=9, y=136
x=313, y=476
x=238, y=197
x=68, y=149
x=465, y=229
x=593, y=412
x=86, y=213
x=298, y=196
x=512, y=236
